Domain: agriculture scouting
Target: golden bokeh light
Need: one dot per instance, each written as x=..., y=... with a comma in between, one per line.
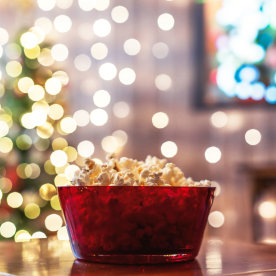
x=20, y=170
x=13, y=68
x=68, y=125
x=45, y=131
x=62, y=77
x=267, y=209
x=49, y=168
x=14, y=200
x=22, y=236
x=61, y=180
x=32, y=211
x=38, y=235
x=58, y=158
x=56, y=111
x=71, y=152
x=6, y=145
x=4, y=128
x=59, y=143
x=7, y=229
x=24, y=84
x=55, y=204
x=38, y=32
x=5, y=184
x=42, y=144
x=53, y=222
x=32, y=53
x=61, y=170
x=85, y=148
x=45, y=58
x=47, y=191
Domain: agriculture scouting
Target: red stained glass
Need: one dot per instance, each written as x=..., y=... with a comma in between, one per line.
x=127, y=224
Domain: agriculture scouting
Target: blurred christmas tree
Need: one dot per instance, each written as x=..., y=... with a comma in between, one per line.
x=31, y=153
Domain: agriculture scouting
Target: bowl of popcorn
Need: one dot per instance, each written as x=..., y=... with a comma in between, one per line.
x=135, y=212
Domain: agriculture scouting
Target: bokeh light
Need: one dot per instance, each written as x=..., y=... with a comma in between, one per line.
x=5, y=184
x=45, y=58
x=98, y=117
x=68, y=125
x=53, y=222
x=24, y=84
x=267, y=209
x=62, y=77
x=62, y=23
x=38, y=235
x=85, y=148
x=216, y=219
x=127, y=76
x=212, y=155
x=132, y=46
x=101, y=5
x=163, y=82
x=59, y=52
x=46, y=5
x=119, y=14
x=169, y=149
x=82, y=62
x=56, y=111
x=101, y=98
x=53, y=86
x=7, y=229
x=29, y=40
x=32, y=53
x=86, y=5
x=160, y=50
x=23, y=142
x=4, y=128
x=219, y=119
x=13, y=68
x=253, y=137
x=165, y=21
x=110, y=144
x=58, y=158
x=99, y=51
x=4, y=36
x=55, y=204
x=121, y=109
x=6, y=145
x=36, y=92
x=107, y=71
x=14, y=199
x=47, y=191
x=70, y=171
x=101, y=27
x=160, y=120
x=45, y=24
x=32, y=211
x=12, y=50
x=81, y=117
x=62, y=234
x=121, y=137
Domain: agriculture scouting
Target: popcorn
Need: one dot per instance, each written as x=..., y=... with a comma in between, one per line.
x=130, y=172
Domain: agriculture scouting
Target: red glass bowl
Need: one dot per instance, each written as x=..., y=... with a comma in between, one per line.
x=135, y=225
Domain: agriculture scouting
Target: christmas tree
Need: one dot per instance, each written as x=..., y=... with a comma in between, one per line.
x=32, y=151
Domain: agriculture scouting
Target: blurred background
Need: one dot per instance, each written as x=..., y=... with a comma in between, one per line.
x=192, y=81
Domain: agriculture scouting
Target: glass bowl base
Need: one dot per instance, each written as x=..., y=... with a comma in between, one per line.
x=140, y=259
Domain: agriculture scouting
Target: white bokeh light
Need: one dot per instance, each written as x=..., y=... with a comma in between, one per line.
x=110, y=144
x=219, y=119
x=85, y=31
x=127, y=76
x=101, y=5
x=253, y=137
x=64, y=4
x=101, y=27
x=99, y=51
x=160, y=50
x=98, y=117
x=119, y=14
x=85, y=148
x=107, y=71
x=53, y=86
x=121, y=109
x=101, y=98
x=68, y=125
x=45, y=24
x=163, y=82
x=81, y=117
x=4, y=36
x=160, y=120
x=59, y=52
x=62, y=23
x=213, y=155
x=86, y=5
x=46, y=5
x=267, y=209
x=28, y=40
x=165, y=21
x=216, y=219
x=7, y=229
x=132, y=46
x=169, y=149
x=58, y=158
x=53, y=222
x=82, y=62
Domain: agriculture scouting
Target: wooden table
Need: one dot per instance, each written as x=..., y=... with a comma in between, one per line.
x=52, y=257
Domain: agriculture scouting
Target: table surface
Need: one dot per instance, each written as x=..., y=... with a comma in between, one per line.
x=217, y=257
